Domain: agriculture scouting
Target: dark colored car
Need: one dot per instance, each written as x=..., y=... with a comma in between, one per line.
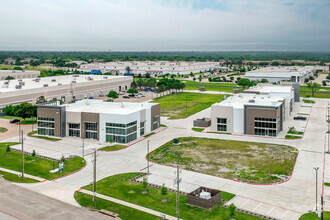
x=126, y=97
x=12, y=121
x=131, y=95
x=300, y=118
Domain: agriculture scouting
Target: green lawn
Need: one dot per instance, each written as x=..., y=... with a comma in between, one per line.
x=209, y=88
x=149, y=134
x=113, y=147
x=198, y=129
x=296, y=132
x=14, y=178
x=292, y=137
x=308, y=101
x=162, y=125
x=3, y=129
x=123, y=212
x=32, y=134
x=322, y=96
x=118, y=186
x=212, y=83
x=313, y=216
x=174, y=106
x=256, y=162
x=327, y=184
x=27, y=120
x=36, y=166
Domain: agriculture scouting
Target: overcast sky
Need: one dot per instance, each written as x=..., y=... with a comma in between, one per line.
x=154, y=25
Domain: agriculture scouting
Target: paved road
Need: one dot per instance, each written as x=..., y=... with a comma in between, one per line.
x=284, y=201
x=19, y=203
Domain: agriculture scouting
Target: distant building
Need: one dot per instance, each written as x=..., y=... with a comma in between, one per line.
x=152, y=67
x=67, y=88
x=261, y=111
x=18, y=74
x=103, y=121
x=275, y=74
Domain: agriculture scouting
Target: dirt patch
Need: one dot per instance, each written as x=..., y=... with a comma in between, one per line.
x=255, y=162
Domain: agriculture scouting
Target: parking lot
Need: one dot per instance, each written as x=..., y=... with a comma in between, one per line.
x=147, y=97
x=13, y=129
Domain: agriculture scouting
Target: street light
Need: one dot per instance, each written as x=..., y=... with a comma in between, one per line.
x=316, y=169
x=186, y=105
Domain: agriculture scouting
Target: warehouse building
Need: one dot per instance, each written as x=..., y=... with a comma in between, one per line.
x=95, y=119
x=152, y=67
x=18, y=74
x=260, y=111
x=66, y=88
x=275, y=74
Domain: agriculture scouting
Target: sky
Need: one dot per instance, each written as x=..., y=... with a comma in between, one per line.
x=165, y=25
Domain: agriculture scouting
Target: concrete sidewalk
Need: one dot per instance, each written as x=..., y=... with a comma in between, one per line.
x=128, y=204
x=25, y=175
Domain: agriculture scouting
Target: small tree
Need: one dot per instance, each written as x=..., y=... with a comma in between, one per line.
x=8, y=149
x=232, y=210
x=132, y=91
x=324, y=83
x=194, y=79
x=112, y=94
x=200, y=79
x=33, y=154
x=145, y=185
x=313, y=86
x=163, y=191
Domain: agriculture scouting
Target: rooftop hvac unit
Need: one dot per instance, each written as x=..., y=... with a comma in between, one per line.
x=252, y=101
x=105, y=77
x=53, y=80
x=45, y=85
x=59, y=84
x=22, y=83
x=73, y=81
x=18, y=86
x=20, y=80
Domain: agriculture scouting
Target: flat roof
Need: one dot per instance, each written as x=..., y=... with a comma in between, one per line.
x=267, y=88
x=151, y=63
x=98, y=106
x=242, y=99
x=280, y=71
x=2, y=72
x=53, y=81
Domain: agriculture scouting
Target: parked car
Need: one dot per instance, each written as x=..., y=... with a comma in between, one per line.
x=126, y=97
x=141, y=94
x=131, y=95
x=300, y=118
x=12, y=121
x=121, y=93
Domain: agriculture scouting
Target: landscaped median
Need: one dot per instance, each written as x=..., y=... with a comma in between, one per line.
x=15, y=178
x=176, y=105
x=3, y=129
x=313, y=216
x=113, y=147
x=34, y=165
x=33, y=134
x=119, y=187
x=259, y=163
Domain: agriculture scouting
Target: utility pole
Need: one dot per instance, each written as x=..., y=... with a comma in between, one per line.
x=148, y=156
x=177, y=181
x=19, y=133
x=316, y=169
x=186, y=105
x=22, y=154
x=94, y=177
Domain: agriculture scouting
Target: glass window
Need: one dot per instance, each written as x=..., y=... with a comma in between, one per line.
x=221, y=124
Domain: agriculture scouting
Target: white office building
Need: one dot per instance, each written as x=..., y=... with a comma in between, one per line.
x=275, y=74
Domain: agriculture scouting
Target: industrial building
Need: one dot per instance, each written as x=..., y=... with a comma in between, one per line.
x=67, y=88
x=18, y=74
x=275, y=74
x=260, y=111
x=95, y=119
x=152, y=67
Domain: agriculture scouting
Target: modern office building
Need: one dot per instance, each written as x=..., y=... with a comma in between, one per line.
x=260, y=111
x=275, y=74
x=18, y=74
x=66, y=88
x=95, y=119
x=152, y=67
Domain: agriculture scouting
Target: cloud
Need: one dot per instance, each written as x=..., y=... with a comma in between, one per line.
x=165, y=25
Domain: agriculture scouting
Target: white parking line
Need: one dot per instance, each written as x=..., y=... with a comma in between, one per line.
x=245, y=203
x=257, y=206
x=284, y=214
x=270, y=210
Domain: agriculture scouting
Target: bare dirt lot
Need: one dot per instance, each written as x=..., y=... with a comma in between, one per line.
x=255, y=162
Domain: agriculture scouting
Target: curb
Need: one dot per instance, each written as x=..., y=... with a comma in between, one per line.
x=71, y=173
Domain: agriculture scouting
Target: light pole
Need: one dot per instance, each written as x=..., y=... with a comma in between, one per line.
x=186, y=105
x=316, y=169
x=148, y=156
x=83, y=148
x=94, y=177
x=22, y=154
x=328, y=130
